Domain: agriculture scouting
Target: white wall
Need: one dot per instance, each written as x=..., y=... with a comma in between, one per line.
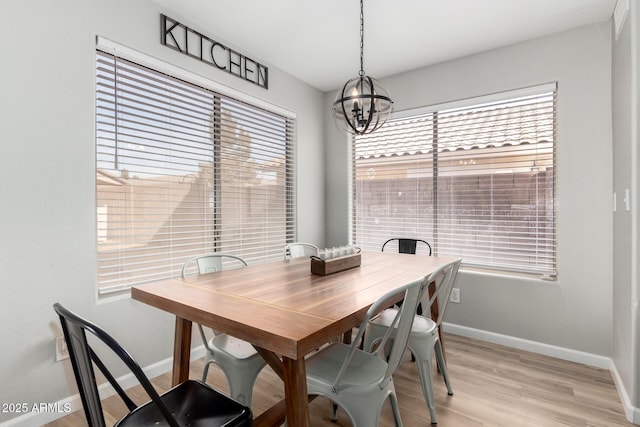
x=47, y=219
x=576, y=311
x=625, y=96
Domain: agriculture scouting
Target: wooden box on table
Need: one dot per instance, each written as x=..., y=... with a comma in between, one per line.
x=324, y=267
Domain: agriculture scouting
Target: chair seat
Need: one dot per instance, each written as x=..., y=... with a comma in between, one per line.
x=234, y=347
x=323, y=366
x=194, y=404
x=421, y=325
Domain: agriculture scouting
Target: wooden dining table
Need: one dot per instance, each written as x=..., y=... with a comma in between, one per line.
x=283, y=310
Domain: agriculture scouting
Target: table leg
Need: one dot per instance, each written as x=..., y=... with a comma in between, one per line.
x=272, y=360
x=295, y=392
x=296, y=402
x=181, y=351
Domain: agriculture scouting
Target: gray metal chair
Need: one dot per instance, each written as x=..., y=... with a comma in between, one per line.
x=423, y=337
x=299, y=249
x=358, y=381
x=238, y=359
x=190, y=403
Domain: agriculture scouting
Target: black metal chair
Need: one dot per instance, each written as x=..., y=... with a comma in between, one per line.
x=191, y=403
x=407, y=246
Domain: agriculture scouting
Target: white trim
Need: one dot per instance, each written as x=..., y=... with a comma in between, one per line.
x=509, y=274
x=630, y=412
x=126, y=381
x=478, y=100
x=635, y=316
x=114, y=289
x=620, y=12
x=563, y=353
x=175, y=71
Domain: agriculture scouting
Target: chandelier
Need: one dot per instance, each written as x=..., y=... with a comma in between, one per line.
x=363, y=104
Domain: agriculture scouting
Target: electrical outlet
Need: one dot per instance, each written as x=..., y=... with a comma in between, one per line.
x=455, y=295
x=62, y=352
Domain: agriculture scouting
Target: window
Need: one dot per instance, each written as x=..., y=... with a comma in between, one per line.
x=181, y=171
x=475, y=179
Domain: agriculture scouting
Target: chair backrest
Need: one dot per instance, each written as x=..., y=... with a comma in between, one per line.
x=209, y=263
x=407, y=246
x=82, y=356
x=404, y=319
x=444, y=279
x=299, y=249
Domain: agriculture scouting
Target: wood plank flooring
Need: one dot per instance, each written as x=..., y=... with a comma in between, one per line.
x=493, y=386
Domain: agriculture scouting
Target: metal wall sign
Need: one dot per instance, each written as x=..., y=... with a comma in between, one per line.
x=191, y=43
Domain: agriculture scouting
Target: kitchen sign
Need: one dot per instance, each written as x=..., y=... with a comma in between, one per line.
x=191, y=43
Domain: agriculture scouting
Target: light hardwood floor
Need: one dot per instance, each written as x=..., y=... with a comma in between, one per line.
x=493, y=386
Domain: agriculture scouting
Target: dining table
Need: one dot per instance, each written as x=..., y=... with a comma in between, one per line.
x=282, y=309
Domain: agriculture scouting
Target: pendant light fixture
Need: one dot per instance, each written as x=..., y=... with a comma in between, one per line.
x=363, y=104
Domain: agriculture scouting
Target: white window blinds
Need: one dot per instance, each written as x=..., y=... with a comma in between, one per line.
x=476, y=181
x=183, y=171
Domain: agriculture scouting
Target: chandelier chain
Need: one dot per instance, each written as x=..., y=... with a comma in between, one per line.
x=363, y=104
x=361, y=38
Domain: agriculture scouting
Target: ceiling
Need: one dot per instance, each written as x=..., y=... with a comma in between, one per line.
x=318, y=41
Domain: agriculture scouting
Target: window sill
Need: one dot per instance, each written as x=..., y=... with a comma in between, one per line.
x=534, y=277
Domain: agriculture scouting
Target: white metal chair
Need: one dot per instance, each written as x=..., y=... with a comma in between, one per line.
x=423, y=337
x=299, y=249
x=359, y=381
x=238, y=359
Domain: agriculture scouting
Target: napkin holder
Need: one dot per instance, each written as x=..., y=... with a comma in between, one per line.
x=324, y=267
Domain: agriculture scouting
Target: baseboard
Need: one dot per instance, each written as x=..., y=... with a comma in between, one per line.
x=532, y=346
x=631, y=412
x=52, y=412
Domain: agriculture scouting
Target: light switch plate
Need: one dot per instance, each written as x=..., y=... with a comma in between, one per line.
x=455, y=296
x=627, y=200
